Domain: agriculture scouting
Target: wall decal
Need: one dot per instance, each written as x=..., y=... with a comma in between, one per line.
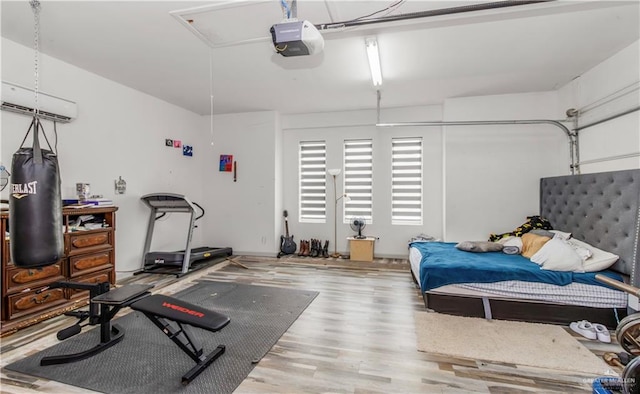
x=168, y=142
x=187, y=150
x=226, y=163
x=177, y=143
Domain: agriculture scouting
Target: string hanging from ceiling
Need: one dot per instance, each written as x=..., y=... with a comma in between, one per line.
x=211, y=95
x=35, y=7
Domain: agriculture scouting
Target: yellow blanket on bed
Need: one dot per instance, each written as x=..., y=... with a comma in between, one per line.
x=531, y=243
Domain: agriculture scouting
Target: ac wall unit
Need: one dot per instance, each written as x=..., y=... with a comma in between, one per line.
x=16, y=98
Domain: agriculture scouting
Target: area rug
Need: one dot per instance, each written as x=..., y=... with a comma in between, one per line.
x=146, y=361
x=531, y=344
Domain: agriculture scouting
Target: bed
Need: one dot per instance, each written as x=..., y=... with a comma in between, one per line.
x=602, y=209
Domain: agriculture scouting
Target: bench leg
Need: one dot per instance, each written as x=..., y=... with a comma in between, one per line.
x=116, y=336
x=202, y=365
x=182, y=337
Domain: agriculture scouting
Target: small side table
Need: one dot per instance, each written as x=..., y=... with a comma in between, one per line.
x=361, y=249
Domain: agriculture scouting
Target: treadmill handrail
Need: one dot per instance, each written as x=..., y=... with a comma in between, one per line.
x=172, y=209
x=148, y=199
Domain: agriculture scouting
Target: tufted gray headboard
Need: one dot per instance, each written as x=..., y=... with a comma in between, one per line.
x=602, y=209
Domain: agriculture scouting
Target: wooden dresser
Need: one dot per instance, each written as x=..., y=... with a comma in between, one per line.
x=89, y=257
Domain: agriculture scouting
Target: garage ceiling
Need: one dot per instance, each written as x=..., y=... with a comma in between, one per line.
x=143, y=45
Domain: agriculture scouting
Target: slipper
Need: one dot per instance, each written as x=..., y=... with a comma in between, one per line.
x=602, y=333
x=584, y=328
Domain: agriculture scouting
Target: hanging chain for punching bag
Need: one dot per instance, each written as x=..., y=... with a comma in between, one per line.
x=35, y=7
x=35, y=202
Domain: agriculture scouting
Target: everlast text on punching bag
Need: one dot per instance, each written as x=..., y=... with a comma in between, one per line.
x=35, y=204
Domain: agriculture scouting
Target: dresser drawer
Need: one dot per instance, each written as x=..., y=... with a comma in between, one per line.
x=85, y=242
x=91, y=262
x=29, y=302
x=18, y=279
x=96, y=277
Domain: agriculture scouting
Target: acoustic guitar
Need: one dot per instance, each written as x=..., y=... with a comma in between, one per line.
x=287, y=245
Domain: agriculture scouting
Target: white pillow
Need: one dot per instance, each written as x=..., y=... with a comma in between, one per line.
x=599, y=260
x=558, y=255
x=584, y=253
x=561, y=234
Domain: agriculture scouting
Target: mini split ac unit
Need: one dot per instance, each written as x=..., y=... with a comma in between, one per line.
x=22, y=100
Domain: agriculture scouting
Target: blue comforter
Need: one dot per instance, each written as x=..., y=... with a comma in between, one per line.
x=442, y=264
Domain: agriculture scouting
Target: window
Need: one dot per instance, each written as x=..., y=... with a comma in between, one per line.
x=313, y=181
x=406, y=181
x=358, y=179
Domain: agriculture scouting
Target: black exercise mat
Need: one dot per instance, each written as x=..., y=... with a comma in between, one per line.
x=147, y=361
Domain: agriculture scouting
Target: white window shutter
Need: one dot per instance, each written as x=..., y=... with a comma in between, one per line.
x=406, y=181
x=358, y=179
x=313, y=183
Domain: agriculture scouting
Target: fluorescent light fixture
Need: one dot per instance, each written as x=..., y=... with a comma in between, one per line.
x=374, y=60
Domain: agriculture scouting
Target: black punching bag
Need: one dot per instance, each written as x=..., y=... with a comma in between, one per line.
x=35, y=205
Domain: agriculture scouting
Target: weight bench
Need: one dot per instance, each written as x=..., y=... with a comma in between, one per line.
x=169, y=314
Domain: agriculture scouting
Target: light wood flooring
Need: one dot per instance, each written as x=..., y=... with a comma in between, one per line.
x=357, y=336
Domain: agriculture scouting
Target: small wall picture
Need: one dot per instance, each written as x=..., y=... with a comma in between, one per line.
x=226, y=163
x=168, y=142
x=187, y=150
x=177, y=143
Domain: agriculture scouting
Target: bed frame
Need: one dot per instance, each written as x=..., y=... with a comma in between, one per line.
x=602, y=209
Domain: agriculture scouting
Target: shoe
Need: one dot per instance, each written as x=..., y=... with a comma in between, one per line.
x=602, y=333
x=306, y=249
x=625, y=358
x=584, y=328
x=325, y=250
x=314, y=248
x=612, y=359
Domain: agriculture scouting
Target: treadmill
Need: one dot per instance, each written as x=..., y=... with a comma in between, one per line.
x=181, y=262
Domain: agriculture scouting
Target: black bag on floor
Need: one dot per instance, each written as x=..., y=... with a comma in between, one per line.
x=35, y=204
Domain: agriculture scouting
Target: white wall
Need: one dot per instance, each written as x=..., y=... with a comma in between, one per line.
x=334, y=128
x=243, y=215
x=492, y=173
x=483, y=175
x=477, y=179
x=119, y=132
x=610, y=88
x=594, y=93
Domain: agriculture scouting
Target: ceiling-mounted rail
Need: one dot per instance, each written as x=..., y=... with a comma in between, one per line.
x=570, y=135
x=427, y=14
x=575, y=115
x=612, y=117
x=611, y=158
x=617, y=95
x=480, y=123
x=378, y=98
